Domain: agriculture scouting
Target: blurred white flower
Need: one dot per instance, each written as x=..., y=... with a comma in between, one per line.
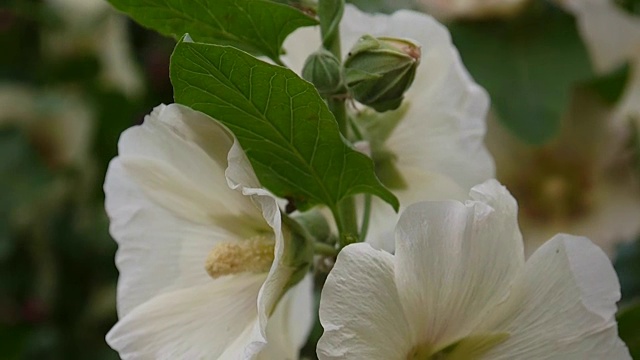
x=200, y=248
x=472, y=9
x=431, y=148
x=92, y=26
x=458, y=288
x=583, y=183
x=59, y=122
x=612, y=36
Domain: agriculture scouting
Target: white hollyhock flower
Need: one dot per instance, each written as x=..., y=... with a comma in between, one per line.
x=472, y=9
x=434, y=141
x=458, y=288
x=201, y=266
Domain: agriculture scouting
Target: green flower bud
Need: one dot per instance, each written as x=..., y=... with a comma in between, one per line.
x=322, y=69
x=378, y=71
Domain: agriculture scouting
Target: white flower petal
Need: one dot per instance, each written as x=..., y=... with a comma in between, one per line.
x=176, y=170
x=279, y=274
x=455, y=261
x=170, y=202
x=240, y=172
x=157, y=251
x=562, y=306
x=445, y=122
x=195, y=127
x=165, y=222
x=432, y=186
x=290, y=324
x=240, y=176
x=360, y=309
x=439, y=142
x=215, y=320
x=444, y=125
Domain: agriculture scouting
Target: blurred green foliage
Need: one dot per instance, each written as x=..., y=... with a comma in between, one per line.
x=529, y=66
x=628, y=320
x=632, y=6
x=57, y=272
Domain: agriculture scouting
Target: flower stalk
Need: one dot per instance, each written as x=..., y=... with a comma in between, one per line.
x=330, y=12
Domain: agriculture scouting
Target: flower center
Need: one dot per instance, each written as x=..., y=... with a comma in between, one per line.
x=554, y=190
x=254, y=255
x=469, y=348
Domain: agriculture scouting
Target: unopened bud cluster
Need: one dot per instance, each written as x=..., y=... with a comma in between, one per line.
x=377, y=71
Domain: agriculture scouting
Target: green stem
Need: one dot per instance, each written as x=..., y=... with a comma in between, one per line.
x=324, y=249
x=364, y=228
x=345, y=213
x=334, y=46
x=330, y=12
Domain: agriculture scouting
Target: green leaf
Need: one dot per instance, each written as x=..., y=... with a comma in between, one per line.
x=258, y=26
x=629, y=329
x=282, y=123
x=528, y=66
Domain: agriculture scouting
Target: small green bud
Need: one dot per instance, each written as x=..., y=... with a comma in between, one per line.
x=322, y=69
x=378, y=71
